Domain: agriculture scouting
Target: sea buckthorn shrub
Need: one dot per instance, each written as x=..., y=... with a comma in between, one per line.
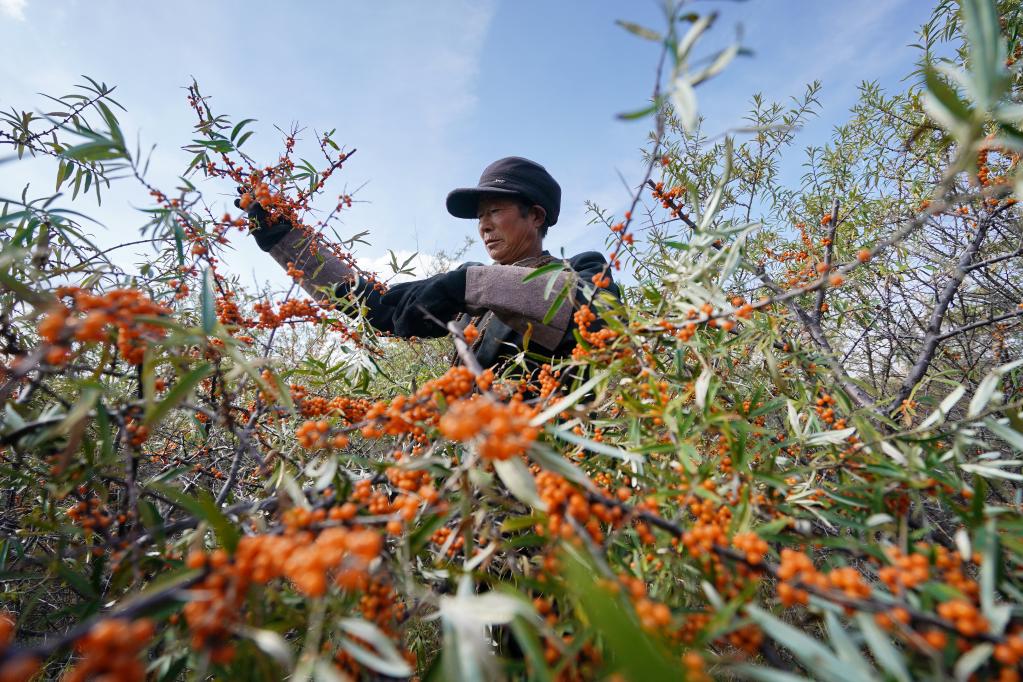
x=791, y=450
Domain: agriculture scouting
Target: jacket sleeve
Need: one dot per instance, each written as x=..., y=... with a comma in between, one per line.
x=522, y=305
x=324, y=276
x=321, y=270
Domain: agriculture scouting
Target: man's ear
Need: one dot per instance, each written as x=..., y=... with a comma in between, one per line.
x=539, y=214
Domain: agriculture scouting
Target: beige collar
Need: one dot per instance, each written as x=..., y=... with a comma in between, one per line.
x=535, y=261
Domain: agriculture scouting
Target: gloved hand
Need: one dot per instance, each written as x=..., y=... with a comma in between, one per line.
x=267, y=235
x=414, y=304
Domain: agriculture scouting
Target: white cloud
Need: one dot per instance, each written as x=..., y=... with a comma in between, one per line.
x=13, y=8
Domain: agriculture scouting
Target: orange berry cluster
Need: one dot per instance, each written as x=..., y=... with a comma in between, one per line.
x=18, y=668
x=499, y=430
x=709, y=527
x=442, y=536
x=753, y=547
x=584, y=318
x=850, y=581
x=312, y=435
x=302, y=556
x=668, y=198
x=90, y=318
x=746, y=639
x=548, y=380
x=584, y=665
x=965, y=615
x=136, y=433
x=564, y=499
x=228, y=312
x=292, y=310
x=90, y=514
x=653, y=616
x=413, y=414
x=110, y=651
x=1010, y=653
x=906, y=571
x=796, y=567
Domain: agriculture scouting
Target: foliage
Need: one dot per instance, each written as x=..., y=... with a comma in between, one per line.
x=792, y=449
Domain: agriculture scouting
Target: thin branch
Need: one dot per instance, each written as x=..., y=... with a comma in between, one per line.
x=932, y=337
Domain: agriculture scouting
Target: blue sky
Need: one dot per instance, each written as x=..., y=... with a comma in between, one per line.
x=429, y=92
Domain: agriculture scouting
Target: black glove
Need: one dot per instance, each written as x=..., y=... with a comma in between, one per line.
x=266, y=235
x=415, y=304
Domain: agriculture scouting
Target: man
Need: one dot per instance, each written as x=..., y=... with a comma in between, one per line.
x=516, y=201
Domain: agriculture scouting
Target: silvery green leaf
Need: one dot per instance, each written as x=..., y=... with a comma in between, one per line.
x=326, y=671
x=723, y=59
x=971, y=660
x=683, y=99
x=641, y=31
x=982, y=397
x=878, y=519
x=963, y=544
x=830, y=437
x=702, y=386
x=991, y=472
x=814, y=655
x=554, y=461
x=515, y=475
x=845, y=647
x=1001, y=428
x=385, y=657
x=793, y=418
x=479, y=557
x=945, y=118
x=893, y=452
x=208, y=302
x=322, y=470
x=569, y=400
x=710, y=209
x=294, y=490
x=465, y=617
x=884, y=652
x=271, y=644
x=1009, y=113
x=712, y=595
x=987, y=546
x=986, y=48
x=594, y=446
x=692, y=35
x=759, y=672
x=998, y=617
x=938, y=416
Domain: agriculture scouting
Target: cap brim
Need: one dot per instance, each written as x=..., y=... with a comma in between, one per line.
x=464, y=201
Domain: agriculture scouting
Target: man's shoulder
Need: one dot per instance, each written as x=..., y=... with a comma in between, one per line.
x=587, y=259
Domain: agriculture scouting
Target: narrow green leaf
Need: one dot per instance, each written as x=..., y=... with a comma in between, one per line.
x=539, y=272
x=814, y=655
x=203, y=507
x=238, y=127
x=880, y=645
x=208, y=302
x=641, y=31
x=177, y=394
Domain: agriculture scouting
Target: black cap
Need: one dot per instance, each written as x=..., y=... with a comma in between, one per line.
x=513, y=176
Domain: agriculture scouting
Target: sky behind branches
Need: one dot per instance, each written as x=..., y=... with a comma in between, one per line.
x=428, y=92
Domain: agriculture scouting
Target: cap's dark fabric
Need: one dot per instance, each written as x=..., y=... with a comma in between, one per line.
x=513, y=176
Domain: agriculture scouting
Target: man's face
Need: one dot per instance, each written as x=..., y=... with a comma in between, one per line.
x=506, y=234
